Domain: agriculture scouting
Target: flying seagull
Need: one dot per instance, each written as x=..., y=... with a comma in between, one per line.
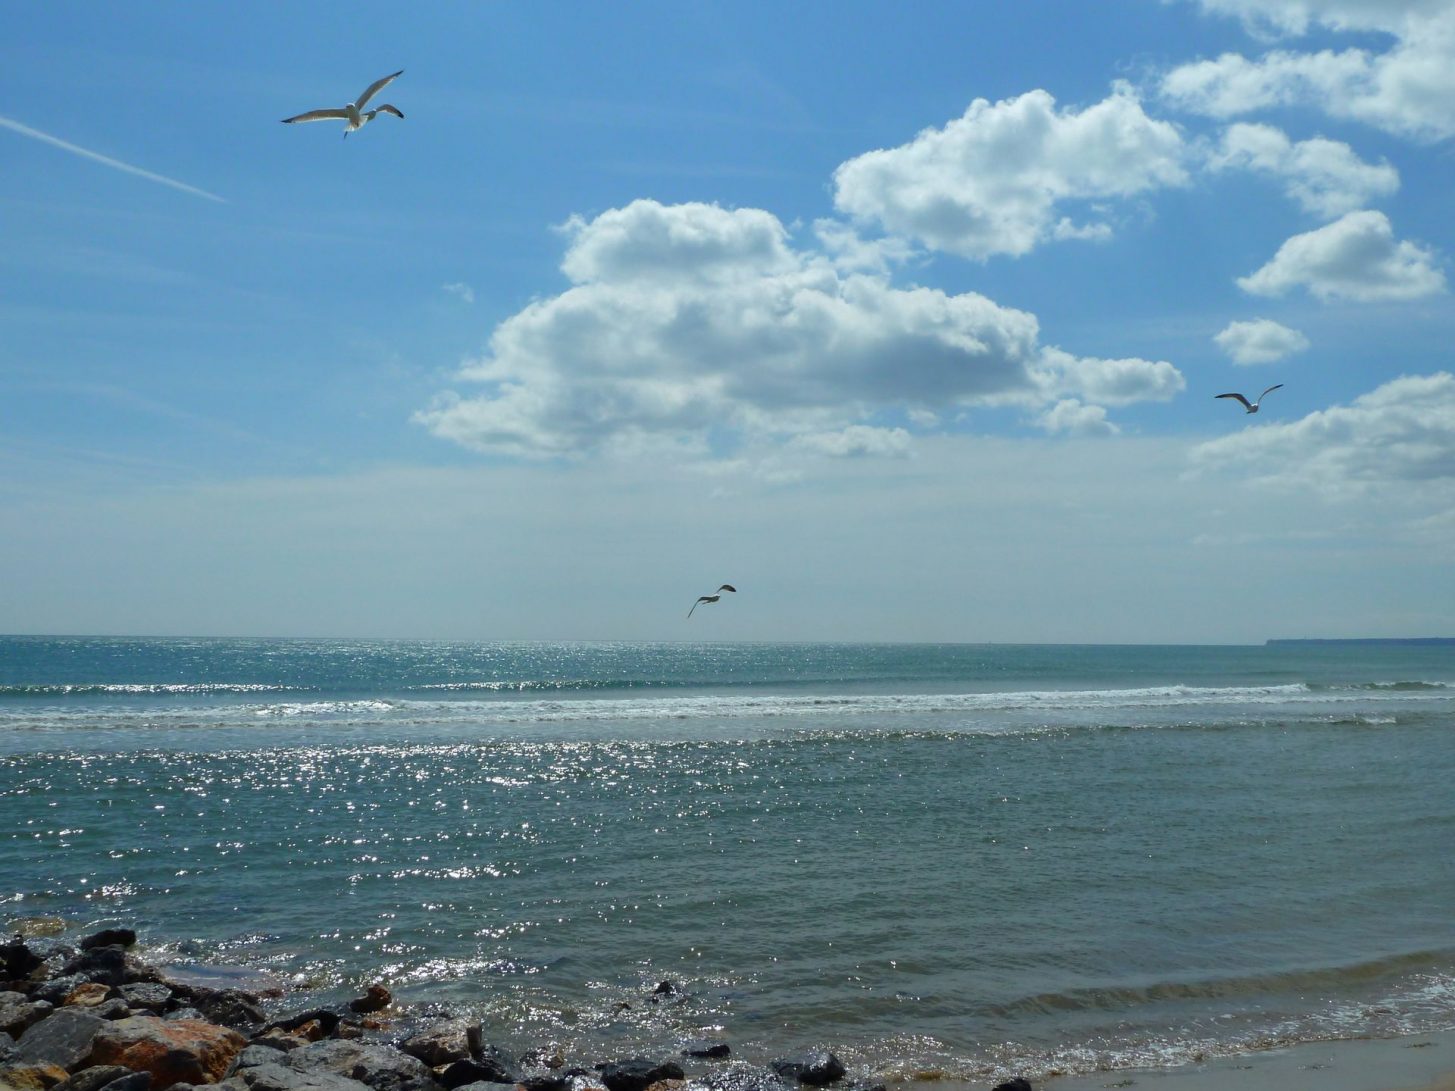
x=713, y=597
x=1253, y=406
x=354, y=112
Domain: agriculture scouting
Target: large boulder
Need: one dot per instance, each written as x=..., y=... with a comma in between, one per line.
x=110, y=965
x=490, y=1065
x=64, y=1038
x=94, y=1078
x=17, y=1011
x=381, y=1067
x=1015, y=1083
x=815, y=1067
x=277, y=1077
x=17, y=960
x=438, y=1047
x=638, y=1073
x=31, y=1077
x=109, y=937
x=172, y=1050
x=234, y=1008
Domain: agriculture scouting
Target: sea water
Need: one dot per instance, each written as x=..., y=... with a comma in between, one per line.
x=952, y=861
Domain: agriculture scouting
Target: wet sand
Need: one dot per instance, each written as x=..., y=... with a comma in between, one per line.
x=1420, y=1063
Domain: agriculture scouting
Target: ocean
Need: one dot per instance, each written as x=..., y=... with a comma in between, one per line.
x=939, y=861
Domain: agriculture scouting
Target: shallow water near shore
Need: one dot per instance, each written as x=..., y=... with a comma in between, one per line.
x=942, y=861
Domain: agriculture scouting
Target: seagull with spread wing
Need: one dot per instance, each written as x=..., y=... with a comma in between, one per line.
x=1252, y=407
x=354, y=112
x=705, y=599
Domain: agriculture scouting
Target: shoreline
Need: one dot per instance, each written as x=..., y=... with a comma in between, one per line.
x=111, y=996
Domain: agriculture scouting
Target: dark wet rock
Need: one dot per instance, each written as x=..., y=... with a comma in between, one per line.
x=279, y=1040
x=816, y=1067
x=63, y=1039
x=132, y=1081
x=109, y=965
x=438, y=1047
x=7, y=1048
x=278, y=1077
x=173, y=1051
x=17, y=1012
x=375, y=998
x=703, y=1047
x=1017, y=1083
x=93, y=1078
x=55, y=991
x=17, y=960
x=109, y=937
x=638, y=1073
x=545, y=1081
x=490, y=1065
x=381, y=1067
x=234, y=1008
x=146, y=995
x=664, y=989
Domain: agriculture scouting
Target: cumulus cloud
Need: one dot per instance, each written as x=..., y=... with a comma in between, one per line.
x=1261, y=341
x=1405, y=89
x=1356, y=258
x=690, y=328
x=1325, y=177
x=1070, y=417
x=994, y=180
x=1400, y=433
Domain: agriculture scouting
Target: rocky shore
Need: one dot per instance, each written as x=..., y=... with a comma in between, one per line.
x=93, y=1017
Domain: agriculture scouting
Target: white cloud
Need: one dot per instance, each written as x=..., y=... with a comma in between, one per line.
x=993, y=181
x=1261, y=341
x=1355, y=257
x=1324, y=176
x=461, y=291
x=690, y=328
x=1069, y=416
x=856, y=441
x=1406, y=89
x=1400, y=433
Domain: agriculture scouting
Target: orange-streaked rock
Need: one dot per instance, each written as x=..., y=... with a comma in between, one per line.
x=173, y=1051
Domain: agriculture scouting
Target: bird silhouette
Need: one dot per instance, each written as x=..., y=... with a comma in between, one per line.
x=705, y=599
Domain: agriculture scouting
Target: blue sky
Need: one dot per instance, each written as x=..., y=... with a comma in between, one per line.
x=908, y=321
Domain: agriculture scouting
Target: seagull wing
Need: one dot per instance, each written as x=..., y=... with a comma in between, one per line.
x=1239, y=397
x=319, y=115
x=727, y=587
x=373, y=89
x=1275, y=386
x=387, y=109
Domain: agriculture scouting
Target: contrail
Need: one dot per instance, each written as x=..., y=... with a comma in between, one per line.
x=26, y=130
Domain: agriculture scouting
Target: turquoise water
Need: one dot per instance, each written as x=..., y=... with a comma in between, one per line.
x=946, y=859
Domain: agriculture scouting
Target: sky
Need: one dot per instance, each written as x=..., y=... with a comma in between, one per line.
x=909, y=321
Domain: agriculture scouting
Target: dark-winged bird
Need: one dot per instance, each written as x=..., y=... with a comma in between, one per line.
x=354, y=112
x=1252, y=407
x=704, y=599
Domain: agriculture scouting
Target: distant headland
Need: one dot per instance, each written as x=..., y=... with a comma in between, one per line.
x=1431, y=640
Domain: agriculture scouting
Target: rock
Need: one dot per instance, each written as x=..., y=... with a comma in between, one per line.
x=703, y=1047
x=277, y=1077
x=666, y=988
x=91, y=994
x=543, y=1081
x=26, y=927
x=326, y=1019
x=109, y=937
x=7, y=1048
x=254, y=1055
x=745, y=1077
x=375, y=998
x=379, y=1066
x=438, y=1047
x=234, y=1008
x=668, y=1085
x=276, y=1039
x=64, y=1039
x=31, y=1077
x=147, y=995
x=17, y=960
x=491, y=1065
x=56, y=990
x=816, y=1067
x=173, y=1051
x=132, y=1081
x=109, y=965
x=93, y=1078
x=638, y=1073
x=18, y=1012
x=183, y=1013
x=1017, y=1083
